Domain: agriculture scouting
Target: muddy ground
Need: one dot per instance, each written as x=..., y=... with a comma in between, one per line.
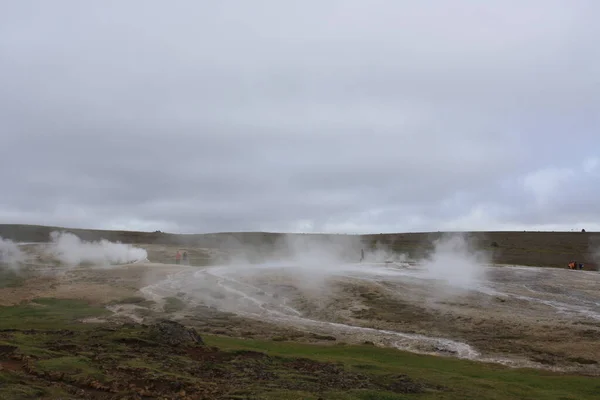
x=518, y=316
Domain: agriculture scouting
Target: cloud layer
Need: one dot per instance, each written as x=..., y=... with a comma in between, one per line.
x=337, y=116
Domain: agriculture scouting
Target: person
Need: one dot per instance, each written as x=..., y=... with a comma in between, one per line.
x=362, y=254
x=177, y=257
x=184, y=258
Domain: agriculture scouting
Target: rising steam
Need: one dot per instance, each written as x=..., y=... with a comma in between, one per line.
x=10, y=254
x=313, y=266
x=70, y=250
x=455, y=263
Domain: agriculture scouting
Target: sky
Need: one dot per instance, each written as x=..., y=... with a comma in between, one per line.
x=306, y=116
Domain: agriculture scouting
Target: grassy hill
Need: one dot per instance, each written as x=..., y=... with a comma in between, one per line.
x=551, y=249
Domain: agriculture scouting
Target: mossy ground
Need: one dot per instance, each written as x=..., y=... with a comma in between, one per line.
x=46, y=353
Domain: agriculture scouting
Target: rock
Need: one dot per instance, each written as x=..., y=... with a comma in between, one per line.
x=174, y=334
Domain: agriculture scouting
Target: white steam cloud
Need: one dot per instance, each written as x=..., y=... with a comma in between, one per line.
x=314, y=266
x=10, y=253
x=455, y=264
x=70, y=250
x=307, y=261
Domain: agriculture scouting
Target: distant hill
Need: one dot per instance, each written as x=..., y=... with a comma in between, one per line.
x=552, y=249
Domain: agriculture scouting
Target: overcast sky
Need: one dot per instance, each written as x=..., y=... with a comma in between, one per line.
x=314, y=115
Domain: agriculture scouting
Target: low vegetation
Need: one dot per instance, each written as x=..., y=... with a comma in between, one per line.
x=9, y=278
x=45, y=353
x=48, y=313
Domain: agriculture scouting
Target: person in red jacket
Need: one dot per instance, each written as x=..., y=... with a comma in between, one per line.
x=177, y=257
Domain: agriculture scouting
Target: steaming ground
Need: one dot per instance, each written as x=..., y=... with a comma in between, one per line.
x=520, y=316
x=450, y=304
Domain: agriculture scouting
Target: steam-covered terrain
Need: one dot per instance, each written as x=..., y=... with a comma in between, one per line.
x=405, y=307
x=452, y=301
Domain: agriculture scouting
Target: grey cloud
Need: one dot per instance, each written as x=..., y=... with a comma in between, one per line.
x=331, y=115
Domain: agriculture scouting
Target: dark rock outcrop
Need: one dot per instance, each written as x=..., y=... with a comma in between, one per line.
x=174, y=334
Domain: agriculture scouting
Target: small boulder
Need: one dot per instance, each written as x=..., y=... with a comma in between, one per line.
x=174, y=334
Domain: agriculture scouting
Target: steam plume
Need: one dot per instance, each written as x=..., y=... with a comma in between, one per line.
x=10, y=254
x=71, y=250
x=455, y=263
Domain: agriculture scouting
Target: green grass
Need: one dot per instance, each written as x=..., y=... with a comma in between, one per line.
x=75, y=366
x=173, y=304
x=76, y=354
x=47, y=313
x=9, y=278
x=465, y=379
x=19, y=391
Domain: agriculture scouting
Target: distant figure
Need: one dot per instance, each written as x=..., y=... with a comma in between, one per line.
x=184, y=258
x=177, y=257
x=362, y=255
x=580, y=265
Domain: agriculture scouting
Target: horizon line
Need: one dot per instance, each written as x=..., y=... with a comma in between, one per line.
x=301, y=233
